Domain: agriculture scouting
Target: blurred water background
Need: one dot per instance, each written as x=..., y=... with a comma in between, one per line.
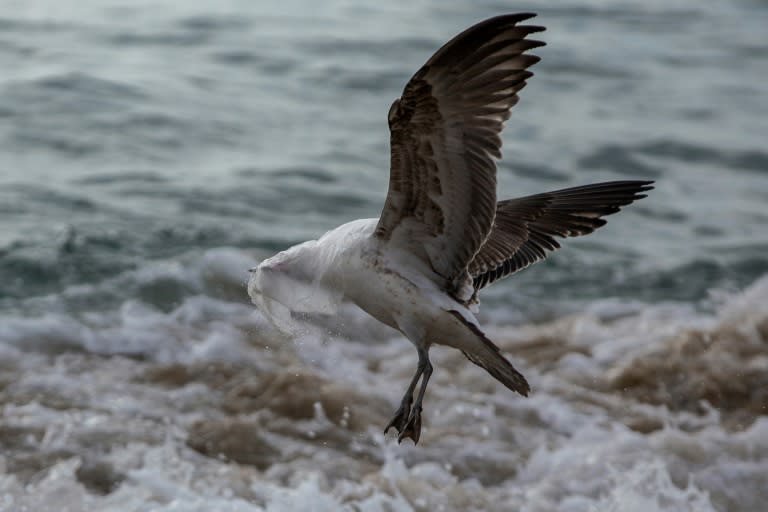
x=151, y=152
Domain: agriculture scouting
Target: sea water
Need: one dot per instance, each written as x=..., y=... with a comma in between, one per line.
x=151, y=153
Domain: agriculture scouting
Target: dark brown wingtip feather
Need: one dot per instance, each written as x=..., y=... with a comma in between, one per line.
x=643, y=185
x=525, y=228
x=646, y=186
x=522, y=16
x=466, y=43
x=505, y=19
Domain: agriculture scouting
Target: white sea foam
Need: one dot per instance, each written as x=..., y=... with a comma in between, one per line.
x=84, y=389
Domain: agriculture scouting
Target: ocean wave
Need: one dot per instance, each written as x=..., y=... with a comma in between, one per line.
x=618, y=412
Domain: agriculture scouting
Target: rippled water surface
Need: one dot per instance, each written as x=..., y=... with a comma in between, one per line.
x=150, y=154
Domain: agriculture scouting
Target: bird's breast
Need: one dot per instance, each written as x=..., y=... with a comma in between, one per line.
x=388, y=288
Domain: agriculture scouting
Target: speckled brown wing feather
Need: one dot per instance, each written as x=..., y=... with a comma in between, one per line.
x=524, y=229
x=444, y=139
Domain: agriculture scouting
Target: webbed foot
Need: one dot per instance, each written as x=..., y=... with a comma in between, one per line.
x=412, y=428
x=400, y=419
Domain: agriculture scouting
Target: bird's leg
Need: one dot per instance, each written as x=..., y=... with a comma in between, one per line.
x=403, y=412
x=412, y=427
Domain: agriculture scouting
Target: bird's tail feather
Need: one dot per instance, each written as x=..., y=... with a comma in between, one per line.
x=488, y=356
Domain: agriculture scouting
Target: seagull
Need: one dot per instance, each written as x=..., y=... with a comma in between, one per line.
x=442, y=236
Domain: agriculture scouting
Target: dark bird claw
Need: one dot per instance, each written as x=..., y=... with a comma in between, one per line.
x=412, y=428
x=400, y=419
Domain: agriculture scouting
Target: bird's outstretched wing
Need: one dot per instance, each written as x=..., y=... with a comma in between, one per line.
x=444, y=139
x=524, y=228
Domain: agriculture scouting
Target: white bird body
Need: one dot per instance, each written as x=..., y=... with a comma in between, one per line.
x=339, y=266
x=441, y=236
